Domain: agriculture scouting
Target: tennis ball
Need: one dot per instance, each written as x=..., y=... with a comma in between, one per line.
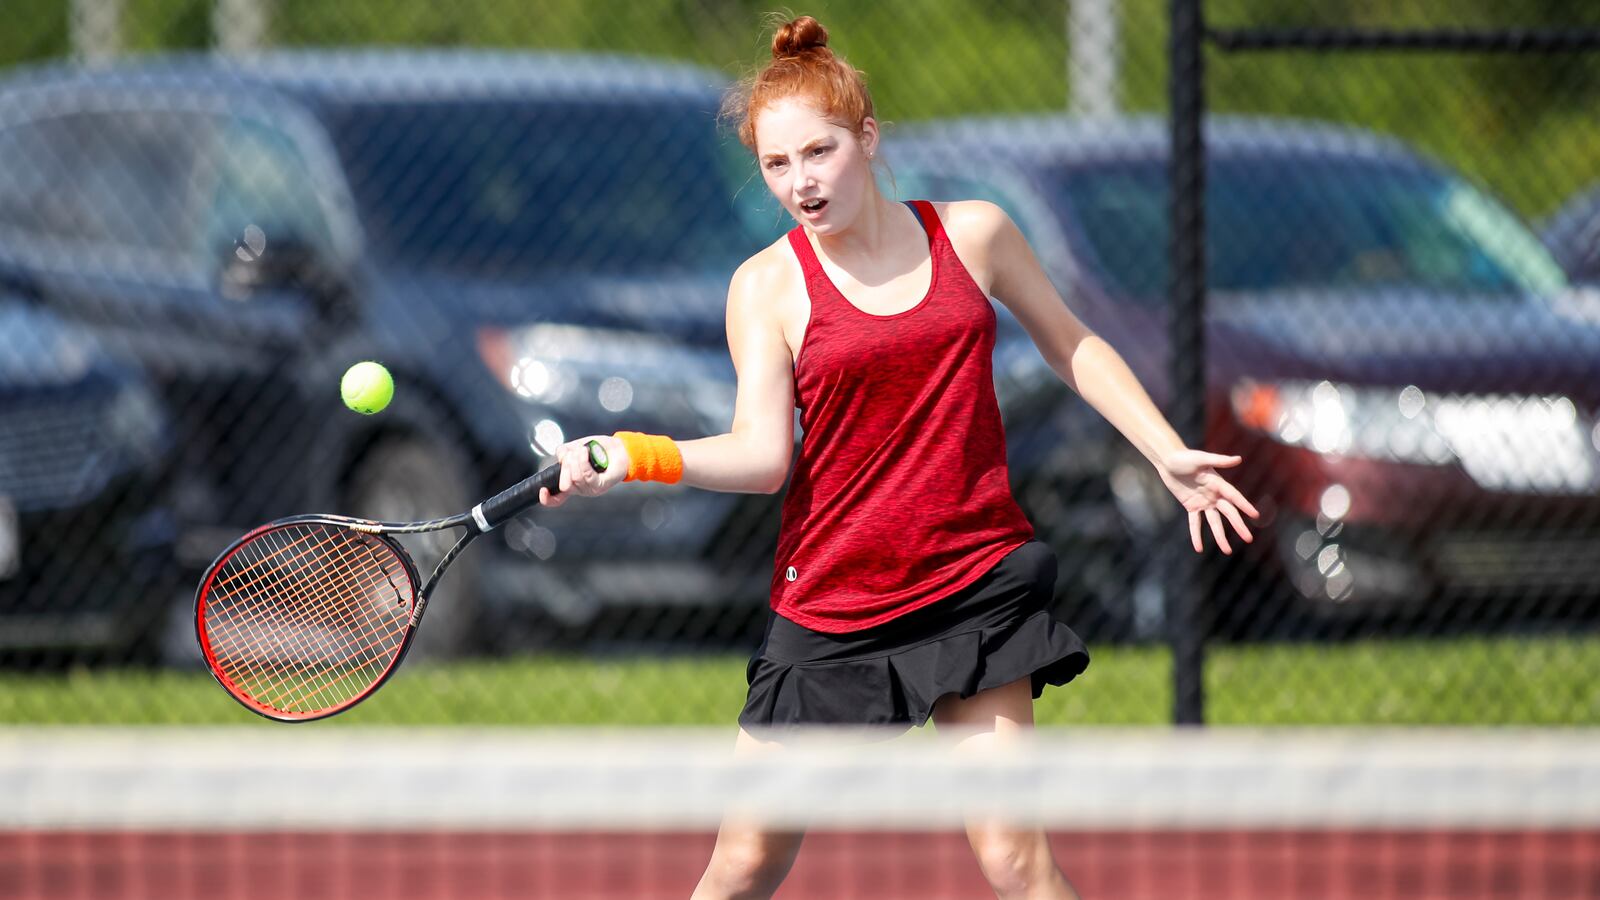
x=367, y=387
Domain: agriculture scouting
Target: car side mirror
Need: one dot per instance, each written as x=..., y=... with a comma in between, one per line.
x=284, y=264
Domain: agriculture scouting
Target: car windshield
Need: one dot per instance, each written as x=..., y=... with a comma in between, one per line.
x=1291, y=222
x=512, y=189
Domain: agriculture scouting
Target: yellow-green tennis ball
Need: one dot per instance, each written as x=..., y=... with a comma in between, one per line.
x=367, y=387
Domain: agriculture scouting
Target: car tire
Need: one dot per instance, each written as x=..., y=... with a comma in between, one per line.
x=407, y=479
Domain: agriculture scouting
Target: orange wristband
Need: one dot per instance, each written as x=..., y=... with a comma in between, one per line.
x=651, y=457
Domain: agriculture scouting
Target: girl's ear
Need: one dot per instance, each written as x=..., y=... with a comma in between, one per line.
x=869, y=136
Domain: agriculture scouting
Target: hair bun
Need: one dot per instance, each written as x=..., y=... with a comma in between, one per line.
x=797, y=37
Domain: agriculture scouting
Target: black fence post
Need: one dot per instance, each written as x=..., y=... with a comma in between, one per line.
x=1186, y=89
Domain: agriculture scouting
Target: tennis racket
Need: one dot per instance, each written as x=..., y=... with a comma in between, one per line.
x=305, y=617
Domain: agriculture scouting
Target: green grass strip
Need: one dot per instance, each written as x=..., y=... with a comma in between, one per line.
x=1499, y=681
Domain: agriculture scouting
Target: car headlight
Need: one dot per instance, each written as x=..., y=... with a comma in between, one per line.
x=1504, y=441
x=1343, y=420
x=614, y=371
x=522, y=360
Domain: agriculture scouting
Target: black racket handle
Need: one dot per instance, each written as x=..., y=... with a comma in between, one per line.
x=493, y=512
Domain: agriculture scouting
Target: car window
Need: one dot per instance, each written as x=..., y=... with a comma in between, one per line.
x=1504, y=239
x=262, y=181
x=119, y=183
x=1573, y=237
x=912, y=184
x=519, y=188
x=759, y=212
x=1277, y=223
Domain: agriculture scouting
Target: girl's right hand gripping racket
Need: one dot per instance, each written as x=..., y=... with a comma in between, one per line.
x=307, y=616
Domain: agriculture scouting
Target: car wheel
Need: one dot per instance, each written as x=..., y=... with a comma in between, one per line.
x=407, y=479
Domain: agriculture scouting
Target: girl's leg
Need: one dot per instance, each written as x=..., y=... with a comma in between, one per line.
x=1016, y=861
x=748, y=861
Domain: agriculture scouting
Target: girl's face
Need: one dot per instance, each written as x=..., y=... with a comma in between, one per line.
x=818, y=170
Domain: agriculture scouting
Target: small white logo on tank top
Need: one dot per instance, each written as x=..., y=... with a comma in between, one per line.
x=791, y=574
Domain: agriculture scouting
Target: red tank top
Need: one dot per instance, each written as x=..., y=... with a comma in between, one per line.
x=900, y=496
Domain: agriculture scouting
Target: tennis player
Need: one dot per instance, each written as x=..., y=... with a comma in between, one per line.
x=907, y=583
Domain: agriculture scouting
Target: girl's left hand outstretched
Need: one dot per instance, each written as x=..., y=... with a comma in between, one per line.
x=1192, y=477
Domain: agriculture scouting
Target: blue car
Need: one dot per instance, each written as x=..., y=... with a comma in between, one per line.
x=537, y=245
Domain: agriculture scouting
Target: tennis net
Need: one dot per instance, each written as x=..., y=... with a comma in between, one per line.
x=330, y=812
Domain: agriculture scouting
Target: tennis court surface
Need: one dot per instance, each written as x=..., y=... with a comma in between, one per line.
x=336, y=812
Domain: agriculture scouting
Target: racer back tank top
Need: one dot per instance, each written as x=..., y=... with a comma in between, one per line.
x=900, y=495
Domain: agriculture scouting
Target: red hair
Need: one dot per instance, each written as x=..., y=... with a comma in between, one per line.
x=801, y=66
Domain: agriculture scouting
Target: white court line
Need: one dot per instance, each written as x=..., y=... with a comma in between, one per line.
x=285, y=777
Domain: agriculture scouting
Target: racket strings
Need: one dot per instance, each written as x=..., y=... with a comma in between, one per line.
x=307, y=692
x=320, y=686
x=295, y=604
x=331, y=656
x=254, y=647
x=306, y=618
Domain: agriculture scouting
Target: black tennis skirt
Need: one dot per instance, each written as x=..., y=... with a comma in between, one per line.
x=993, y=632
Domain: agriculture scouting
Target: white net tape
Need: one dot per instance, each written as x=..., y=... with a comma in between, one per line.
x=270, y=778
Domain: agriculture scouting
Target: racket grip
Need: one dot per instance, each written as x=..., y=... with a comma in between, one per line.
x=493, y=512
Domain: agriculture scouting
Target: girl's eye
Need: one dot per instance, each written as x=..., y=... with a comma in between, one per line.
x=775, y=163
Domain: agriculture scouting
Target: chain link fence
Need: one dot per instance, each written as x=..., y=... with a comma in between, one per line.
x=528, y=212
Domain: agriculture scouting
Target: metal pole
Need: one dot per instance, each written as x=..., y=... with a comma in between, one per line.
x=1186, y=90
x=1093, y=53
x=94, y=29
x=241, y=27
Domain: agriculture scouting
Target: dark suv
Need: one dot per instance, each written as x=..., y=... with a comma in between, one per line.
x=537, y=246
x=1392, y=351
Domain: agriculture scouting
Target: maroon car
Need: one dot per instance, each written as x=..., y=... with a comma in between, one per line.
x=1392, y=351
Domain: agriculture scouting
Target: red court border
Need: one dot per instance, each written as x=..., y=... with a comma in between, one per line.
x=489, y=865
